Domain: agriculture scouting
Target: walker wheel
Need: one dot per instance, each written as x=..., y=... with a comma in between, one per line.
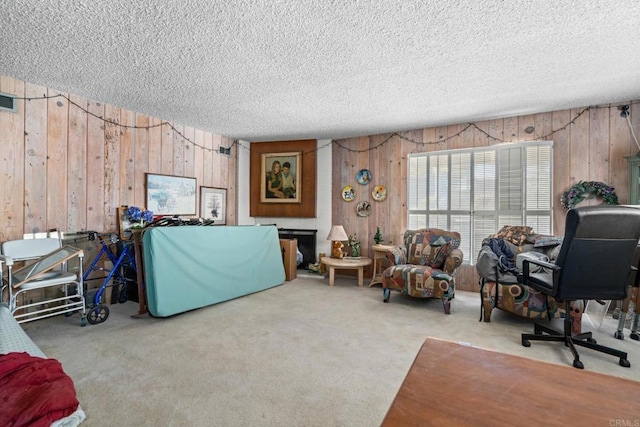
x=123, y=297
x=579, y=365
x=635, y=336
x=592, y=341
x=526, y=343
x=98, y=314
x=619, y=335
x=625, y=363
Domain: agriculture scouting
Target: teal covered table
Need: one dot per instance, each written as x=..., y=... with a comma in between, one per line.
x=189, y=267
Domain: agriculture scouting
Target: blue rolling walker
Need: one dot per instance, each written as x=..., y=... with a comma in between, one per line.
x=97, y=311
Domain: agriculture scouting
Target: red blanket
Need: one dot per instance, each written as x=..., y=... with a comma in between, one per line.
x=34, y=391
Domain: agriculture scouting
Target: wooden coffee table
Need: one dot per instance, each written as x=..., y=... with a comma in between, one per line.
x=345, y=264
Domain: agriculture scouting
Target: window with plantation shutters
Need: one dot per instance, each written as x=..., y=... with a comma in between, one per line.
x=478, y=191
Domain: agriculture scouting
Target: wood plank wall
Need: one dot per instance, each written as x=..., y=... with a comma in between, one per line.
x=67, y=169
x=592, y=148
x=64, y=168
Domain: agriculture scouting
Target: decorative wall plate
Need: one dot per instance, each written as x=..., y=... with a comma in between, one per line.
x=364, y=176
x=379, y=193
x=363, y=209
x=348, y=193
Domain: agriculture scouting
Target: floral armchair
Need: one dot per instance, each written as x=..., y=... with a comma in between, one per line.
x=499, y=287
x=424, y=266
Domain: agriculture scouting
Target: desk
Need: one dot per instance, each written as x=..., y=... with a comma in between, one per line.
x=342, y=264
x=379, y=253
x=454, y=384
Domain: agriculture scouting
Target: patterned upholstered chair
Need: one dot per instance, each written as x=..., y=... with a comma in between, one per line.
x=424, y=266
x=505, y=293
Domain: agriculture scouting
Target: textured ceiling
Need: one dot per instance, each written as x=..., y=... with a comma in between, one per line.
x=293, y=69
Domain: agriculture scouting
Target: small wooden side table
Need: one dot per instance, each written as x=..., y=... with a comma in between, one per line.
x=345, y=264
x=379, y=253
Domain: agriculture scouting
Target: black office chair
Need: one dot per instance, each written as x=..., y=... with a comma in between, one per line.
x=593, y=264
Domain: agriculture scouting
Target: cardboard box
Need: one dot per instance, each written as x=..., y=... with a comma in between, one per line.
x=289, y=249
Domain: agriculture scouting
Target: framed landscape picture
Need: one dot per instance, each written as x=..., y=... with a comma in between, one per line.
x=171, y=195
x=280, y=174
x=213, y=204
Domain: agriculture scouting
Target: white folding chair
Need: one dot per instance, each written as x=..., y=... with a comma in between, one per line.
x=45, y=267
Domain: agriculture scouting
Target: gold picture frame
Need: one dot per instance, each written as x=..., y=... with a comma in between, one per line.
x=280, y=176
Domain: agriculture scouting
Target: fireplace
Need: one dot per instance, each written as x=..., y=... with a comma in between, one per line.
x=306, y=244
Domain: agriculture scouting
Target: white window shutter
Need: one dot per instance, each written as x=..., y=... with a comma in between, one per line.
x=461, y=182
x=508, y=184
x=538, y=183
x=510, y=179
x=417, y=183
x=417, y=221
x=484, y=181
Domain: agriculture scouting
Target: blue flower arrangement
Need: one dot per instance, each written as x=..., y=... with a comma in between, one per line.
x=139, y=215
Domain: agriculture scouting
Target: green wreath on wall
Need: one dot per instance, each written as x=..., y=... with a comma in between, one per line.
x=584, y=190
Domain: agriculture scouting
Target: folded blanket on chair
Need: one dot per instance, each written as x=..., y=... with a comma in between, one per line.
x=35, y=391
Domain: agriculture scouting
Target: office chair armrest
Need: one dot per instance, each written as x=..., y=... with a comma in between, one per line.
x=7, y=260
x=525, y=266
x=541, y=281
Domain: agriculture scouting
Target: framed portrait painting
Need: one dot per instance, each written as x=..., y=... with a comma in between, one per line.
x=213, y=204
x=280, y=174
x=171, y=195
x=262, y=155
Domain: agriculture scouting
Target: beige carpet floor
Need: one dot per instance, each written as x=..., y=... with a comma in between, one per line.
x=300, y=354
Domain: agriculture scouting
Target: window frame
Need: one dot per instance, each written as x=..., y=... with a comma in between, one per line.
x=473, y=223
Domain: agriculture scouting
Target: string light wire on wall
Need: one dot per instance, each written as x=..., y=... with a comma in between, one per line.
x=470, y=126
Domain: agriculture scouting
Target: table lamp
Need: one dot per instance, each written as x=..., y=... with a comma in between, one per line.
x=337, y=235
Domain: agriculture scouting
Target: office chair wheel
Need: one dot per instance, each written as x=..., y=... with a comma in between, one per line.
x=385, y=295
x=578, y=364
x=98, y=314
x=619, y=335
x=526, y=343
x=592, y=341
x=625, y=363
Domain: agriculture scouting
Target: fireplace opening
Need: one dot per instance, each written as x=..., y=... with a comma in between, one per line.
x=306, y=244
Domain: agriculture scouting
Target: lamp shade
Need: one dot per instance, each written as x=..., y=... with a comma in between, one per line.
x=337, y=233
